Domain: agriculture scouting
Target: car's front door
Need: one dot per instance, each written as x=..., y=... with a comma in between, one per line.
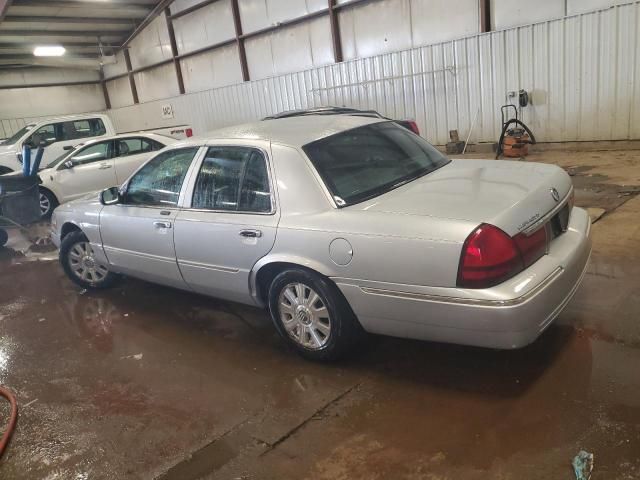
x=229, y=222
x=131, y=152
x=91, y=169
x=137, y=234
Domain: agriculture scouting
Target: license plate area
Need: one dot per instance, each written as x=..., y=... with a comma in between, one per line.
x=560, y=222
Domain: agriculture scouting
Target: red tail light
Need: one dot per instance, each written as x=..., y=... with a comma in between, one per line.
x=490, y=256
x=188, y=132
x=413, y=126
x=532, y=247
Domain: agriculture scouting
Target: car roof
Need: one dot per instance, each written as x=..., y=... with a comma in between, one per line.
x=66, y=118
x=292, y=131
x=156, y=136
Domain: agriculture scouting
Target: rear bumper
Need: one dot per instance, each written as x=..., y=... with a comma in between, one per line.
x=509, y=315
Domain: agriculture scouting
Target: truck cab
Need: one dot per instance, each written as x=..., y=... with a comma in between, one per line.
x=57, y=135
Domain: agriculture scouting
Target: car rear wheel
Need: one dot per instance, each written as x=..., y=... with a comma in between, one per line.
x=312, y=315
x=48, y=202
x=80, y=264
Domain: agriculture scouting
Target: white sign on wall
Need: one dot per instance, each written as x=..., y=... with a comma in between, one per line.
x=167, y=110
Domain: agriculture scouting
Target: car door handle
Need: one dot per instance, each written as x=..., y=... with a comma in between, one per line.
x=104, y=166
x=162, y=224
x=250, y=233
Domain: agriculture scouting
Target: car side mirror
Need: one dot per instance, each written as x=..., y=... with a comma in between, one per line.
x=69, y=164
x=110, y=196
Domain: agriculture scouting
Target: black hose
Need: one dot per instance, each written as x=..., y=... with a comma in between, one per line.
x=504, y=130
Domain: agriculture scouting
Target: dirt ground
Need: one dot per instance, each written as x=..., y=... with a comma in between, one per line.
x=147, y=382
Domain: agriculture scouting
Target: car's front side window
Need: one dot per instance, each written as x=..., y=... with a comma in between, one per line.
x=93, y=153
x=158, y=183
x=48, y=134
x=368, y=161
x=233, y=179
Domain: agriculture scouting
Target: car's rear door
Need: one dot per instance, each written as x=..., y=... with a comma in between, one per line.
x=137, y=234
x=91, y=170
x=229, y=221
x=131, y=153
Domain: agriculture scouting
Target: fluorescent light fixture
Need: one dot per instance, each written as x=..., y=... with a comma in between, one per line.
x=49, y=51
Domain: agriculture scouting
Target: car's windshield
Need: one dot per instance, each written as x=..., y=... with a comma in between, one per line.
x=18, y=135
x=368, y=161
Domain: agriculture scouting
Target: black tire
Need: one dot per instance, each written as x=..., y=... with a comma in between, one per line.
x=345, y=330
x=4, y=170
x=76, y=239
x=4, y=237
x=51, y=201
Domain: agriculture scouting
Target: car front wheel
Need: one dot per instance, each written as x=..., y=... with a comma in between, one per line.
x=312, y=315
x=48, y=202
x=80, y=264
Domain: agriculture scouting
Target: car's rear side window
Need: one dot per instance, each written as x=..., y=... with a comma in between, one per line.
x=233, y=179
x=86, y=128
x=368, y=161
x=136, y=146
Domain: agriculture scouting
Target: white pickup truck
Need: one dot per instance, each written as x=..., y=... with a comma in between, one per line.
x=64, y=133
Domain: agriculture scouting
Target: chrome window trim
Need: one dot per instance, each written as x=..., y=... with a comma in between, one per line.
x=198, y=164
x=466, y=301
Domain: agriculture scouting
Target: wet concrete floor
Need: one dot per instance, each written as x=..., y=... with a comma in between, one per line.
x=147, y=382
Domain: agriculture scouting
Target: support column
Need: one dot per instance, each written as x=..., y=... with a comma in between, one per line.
x=335, y=32
x=174, y=49
x=240, y=40
x=105, y=92
x=132, y=81
x=485, y=16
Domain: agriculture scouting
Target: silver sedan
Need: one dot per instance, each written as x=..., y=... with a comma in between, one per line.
x=339, y=225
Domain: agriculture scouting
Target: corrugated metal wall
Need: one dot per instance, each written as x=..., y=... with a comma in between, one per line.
x=25, y=103
x=582, y=72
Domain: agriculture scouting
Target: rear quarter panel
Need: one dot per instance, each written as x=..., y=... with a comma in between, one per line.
x=401, y=249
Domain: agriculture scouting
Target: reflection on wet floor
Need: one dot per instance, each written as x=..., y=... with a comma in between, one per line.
x=143, y=381
x=32, y=242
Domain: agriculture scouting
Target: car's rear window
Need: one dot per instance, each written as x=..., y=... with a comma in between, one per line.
x=368, y=161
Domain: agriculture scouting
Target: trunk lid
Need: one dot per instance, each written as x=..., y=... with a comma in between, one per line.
x=508, y=194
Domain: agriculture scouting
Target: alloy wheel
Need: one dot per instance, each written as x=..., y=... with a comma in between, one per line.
x=304, y=315
x=45, y=204
x=84, y=265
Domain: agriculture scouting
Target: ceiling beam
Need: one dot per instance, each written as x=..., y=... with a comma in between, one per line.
x=60, y=84
x=67, y=45
x=4, y=6
x=159, y=8
x=29, y=56
x=112, y=4
x=58, y=33
x=80, y=20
